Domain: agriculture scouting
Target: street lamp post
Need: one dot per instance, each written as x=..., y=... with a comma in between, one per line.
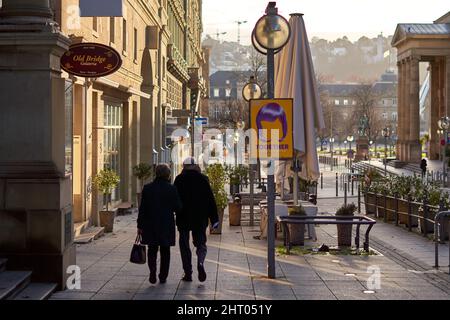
x=444, y=125
x=386, y=135
x=332, y=140
x=252, y=91
x=272, y=33
x=350, y=139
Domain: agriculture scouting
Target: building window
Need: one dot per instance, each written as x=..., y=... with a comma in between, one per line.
x=354, y=102
x=95, y=24
x=124, y=36
x=135, y=44
x=394, y=102
x=164, y=67
x=394, y=116
x=113, y=124
x=384, y=115
x=216, y=92
x=112, y=29
x=228, y=92
x=345, y=102
x=336, y=102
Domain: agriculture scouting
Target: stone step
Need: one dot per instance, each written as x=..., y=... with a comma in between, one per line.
x=3, y=264
x=90, y=235
x=12, y=282
x=79, y=228
x=37, y=291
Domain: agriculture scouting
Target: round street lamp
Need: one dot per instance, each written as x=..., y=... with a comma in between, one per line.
x=272, y=31
x=251, y=90
x=444, y=125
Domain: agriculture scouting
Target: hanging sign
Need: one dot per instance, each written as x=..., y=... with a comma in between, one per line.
x=273, y=129
x=91, y=60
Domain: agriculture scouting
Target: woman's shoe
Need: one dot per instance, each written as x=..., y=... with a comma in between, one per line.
x=152, y=278
x=201, y=273
x=187, y=278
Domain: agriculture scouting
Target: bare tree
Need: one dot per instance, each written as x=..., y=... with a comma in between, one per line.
x=365, y=110
x=258, y=69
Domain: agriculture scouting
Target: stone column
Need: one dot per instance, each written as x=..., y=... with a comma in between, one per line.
x=415, y=148
x=434, y=112
x=406, y=109
x=36, y=226
x=400, y=110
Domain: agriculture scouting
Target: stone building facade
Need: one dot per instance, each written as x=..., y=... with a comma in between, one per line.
x=70, y=128
x=429, y=43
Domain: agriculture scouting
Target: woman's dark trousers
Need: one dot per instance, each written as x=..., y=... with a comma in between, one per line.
x=164, y=263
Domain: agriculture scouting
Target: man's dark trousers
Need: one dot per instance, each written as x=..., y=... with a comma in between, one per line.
x=199, y=237
x=165, y=260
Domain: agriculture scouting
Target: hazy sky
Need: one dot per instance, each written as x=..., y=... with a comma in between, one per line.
x=329, y=19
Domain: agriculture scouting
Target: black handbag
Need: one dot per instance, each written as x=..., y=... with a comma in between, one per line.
x=139, y=252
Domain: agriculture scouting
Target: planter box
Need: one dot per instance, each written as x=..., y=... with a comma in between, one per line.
x=426, y=227
x=380, y=207
x=219, y=229
x=344, y=235
x=370, y=203
x=107, y=220
x=403, y=213
x=390, y=212
x=297, y=233
x=235, y=210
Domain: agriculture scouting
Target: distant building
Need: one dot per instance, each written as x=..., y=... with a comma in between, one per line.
x=342, y=96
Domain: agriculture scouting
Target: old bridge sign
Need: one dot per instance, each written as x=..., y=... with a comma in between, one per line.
x=91, y=60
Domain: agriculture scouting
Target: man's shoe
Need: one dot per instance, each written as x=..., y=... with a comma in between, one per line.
x=201, y=273
x=162, y=281
x=152, y=278
x=187, y=278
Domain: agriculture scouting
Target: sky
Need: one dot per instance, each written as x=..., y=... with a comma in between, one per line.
x=328, y=19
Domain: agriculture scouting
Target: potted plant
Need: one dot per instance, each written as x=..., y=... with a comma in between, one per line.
x=105, y=182
x=297, y=231
x=235, y=211
x=217, y=177
x=345, y=231
x=142, y=172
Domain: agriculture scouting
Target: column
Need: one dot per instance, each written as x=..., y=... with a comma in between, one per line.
x=36, y=229
x=434, y=112
x=401, y=107
x=406, y=109
x=415, y=149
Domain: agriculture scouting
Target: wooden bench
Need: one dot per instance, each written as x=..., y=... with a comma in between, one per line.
x=327, y=220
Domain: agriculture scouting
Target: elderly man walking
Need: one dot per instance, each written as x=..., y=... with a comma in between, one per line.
x=198, y=208
x=156, y=221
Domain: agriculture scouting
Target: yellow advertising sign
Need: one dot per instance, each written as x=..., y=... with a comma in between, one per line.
x=272, y=123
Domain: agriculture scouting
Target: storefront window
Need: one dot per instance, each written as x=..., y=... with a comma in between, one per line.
x=112, y=141
x=68, y=127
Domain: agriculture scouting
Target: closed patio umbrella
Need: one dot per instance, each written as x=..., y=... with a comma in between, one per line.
x=295, y=78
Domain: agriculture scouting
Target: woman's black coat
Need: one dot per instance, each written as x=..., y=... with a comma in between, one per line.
x=198, y=201
x=156, y=219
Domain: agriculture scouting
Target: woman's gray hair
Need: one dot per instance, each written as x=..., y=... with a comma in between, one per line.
x=163, y=171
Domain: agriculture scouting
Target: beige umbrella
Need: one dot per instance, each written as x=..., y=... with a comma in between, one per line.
x=295, y=78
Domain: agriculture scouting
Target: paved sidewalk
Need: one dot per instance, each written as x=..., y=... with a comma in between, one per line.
x=236, y=267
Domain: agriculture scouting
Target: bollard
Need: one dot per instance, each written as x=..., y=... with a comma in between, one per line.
x=359, y=199
x=353, y=186
x=337, y=185
x=345, y=194
x=321, y=181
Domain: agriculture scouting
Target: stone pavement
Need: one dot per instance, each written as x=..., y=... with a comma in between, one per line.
x=236, y=266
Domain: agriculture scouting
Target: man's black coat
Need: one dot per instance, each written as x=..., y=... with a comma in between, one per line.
x=156, y=219
x=198, y=203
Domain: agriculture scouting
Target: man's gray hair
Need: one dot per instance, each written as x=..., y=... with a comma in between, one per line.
x=163, y=171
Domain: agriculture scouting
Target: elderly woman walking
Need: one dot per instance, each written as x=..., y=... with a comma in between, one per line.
x=156, y=221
